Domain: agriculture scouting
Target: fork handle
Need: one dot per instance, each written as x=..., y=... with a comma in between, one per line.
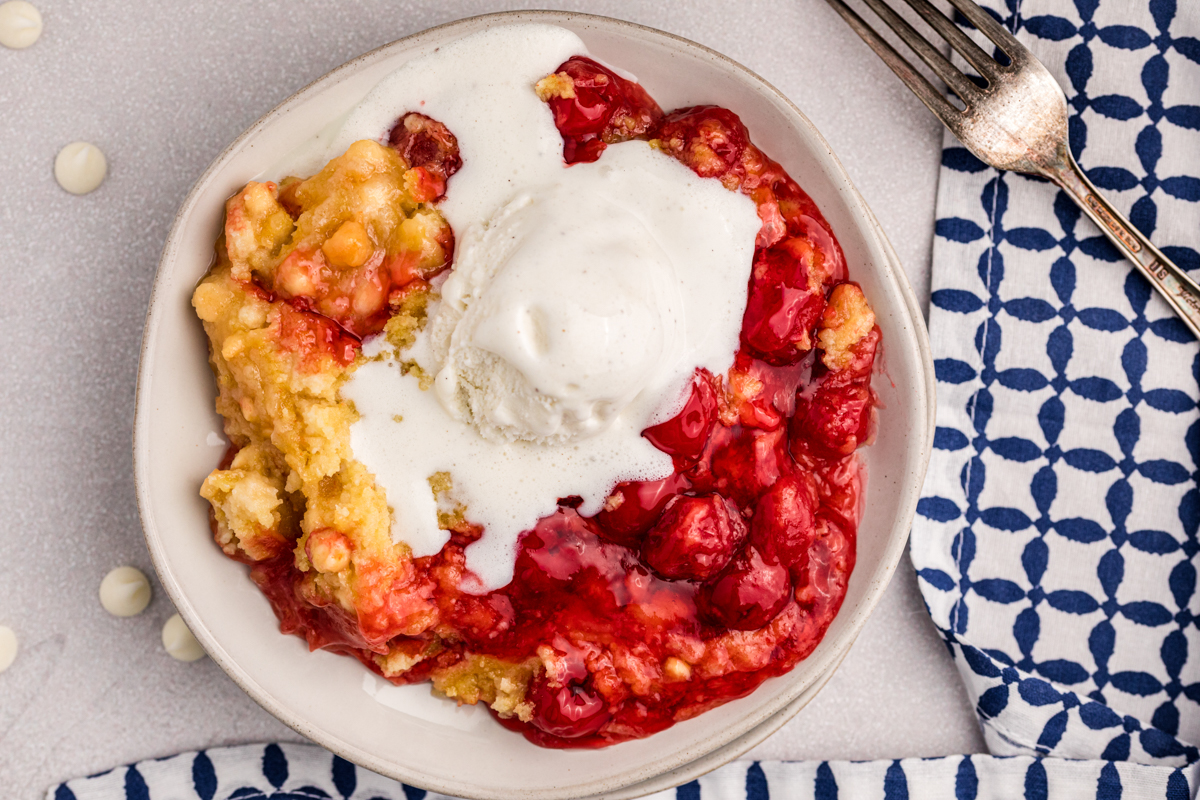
x=1164, y=275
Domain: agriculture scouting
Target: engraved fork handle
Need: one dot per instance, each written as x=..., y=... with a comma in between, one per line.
x=1164, y=275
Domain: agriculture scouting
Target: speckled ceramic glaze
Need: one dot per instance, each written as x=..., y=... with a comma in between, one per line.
x=405, y=732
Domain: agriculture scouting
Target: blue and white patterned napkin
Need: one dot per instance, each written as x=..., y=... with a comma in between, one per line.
x=1056, y=538
x=307, y=772
x=1057, y=532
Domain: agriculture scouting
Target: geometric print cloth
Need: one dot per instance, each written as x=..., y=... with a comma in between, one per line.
x=1056, y=536
x=1057, y=533
x=308, y=772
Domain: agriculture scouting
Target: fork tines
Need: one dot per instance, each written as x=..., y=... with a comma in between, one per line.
x=988, y=68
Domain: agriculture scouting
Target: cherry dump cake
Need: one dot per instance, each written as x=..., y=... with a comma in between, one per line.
x=518, y=457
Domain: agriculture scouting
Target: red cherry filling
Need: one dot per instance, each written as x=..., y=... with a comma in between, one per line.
x=310, y=334
x=634, y=506
x=748, y=466
x=747, y=595
x=569, y=711
x=786, y=298
x=604, y=109
x=831, y=558
x=833, y=422
x=695, y=538
x=834, y=417
x=783, y=524
x=429, y=147
x=685, y=435
x=709, y=139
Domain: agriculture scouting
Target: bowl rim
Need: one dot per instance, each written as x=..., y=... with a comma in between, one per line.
x=719, y=749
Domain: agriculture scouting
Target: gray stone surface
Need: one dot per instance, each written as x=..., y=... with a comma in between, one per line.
x=162, y=88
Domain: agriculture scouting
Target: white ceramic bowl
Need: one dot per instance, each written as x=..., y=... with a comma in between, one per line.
x=405, y=732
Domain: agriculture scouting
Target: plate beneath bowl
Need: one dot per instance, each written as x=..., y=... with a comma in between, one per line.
x=404, y=732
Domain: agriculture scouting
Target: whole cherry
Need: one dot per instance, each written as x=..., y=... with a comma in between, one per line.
x=748, y=594
x=783, y=524
x=695, y=537
x=750, y=464
x=569, y=711
x=634, y=506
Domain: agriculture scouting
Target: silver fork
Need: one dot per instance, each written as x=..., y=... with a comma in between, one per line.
x=1017, y=122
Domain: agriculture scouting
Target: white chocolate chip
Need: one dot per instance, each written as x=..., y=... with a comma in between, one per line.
x=8, y=647
x=20, y=24
x=179, y=642
x=80, y=167
x=125, y=592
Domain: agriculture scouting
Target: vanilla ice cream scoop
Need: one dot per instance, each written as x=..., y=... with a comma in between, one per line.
x=581, y=301
x=559, y=314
